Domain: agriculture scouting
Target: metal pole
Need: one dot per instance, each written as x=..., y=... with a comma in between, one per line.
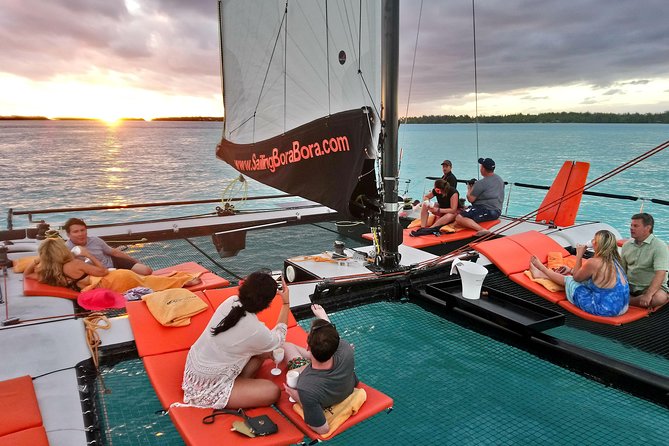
x=390, y=229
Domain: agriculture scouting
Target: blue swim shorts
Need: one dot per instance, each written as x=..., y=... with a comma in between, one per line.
x=479, y=214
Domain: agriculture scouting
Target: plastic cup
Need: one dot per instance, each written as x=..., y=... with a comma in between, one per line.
x=291, y=378
x=76, y=250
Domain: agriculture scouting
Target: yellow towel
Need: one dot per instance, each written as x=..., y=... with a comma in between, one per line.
x=175, y=307
x=416, y=222
x=450, y=228
x=547, y=283
x=340, y=412
x=20, y=264
x=121, y=280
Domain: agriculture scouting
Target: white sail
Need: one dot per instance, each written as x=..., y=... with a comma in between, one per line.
x=286, y=63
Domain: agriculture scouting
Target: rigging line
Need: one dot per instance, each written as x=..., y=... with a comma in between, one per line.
x=285, y=70
x=413, y=64
x=327, y=56
x=476, y=84
x=212, y=259
x=359, y=33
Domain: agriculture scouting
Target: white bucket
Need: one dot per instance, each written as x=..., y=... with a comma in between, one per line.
x=471, y=276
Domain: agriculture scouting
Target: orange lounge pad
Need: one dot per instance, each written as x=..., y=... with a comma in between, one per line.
x=35, y=436
x=188, y=421
x=432, y=240
x=633, y=313
x=153, y=339
x=19, y=409
x=267, y=316
x=166, y=373
x=569, y=181
x=32, y=287
x=538, y=289
x=376, y=402
x=512, y=254
x=209, y=279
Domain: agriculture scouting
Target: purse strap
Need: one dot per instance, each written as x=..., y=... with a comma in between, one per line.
x=209, y=419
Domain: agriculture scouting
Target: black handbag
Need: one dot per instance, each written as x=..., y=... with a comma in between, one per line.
x=259, y=426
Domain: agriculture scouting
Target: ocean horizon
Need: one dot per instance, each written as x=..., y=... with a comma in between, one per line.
x=65, y=163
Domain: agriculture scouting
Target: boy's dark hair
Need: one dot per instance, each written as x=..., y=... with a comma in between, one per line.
x=73, y=221
x=647, y=220
x=323, y=340
x=255, y=294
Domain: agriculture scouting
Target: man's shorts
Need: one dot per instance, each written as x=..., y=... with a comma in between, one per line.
x=479, y=214
x=122, y=263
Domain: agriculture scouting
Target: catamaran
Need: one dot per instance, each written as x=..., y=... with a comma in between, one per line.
x=310, y=92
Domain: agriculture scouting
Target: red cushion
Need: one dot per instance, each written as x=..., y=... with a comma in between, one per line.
x=268, y=316
x=153, y=339
x=35, y=436
x=166, y=373
x=432, y=240
x=19, y=409
x=188, y=421
x=209, y=279
x=633, y=313
x=538, y=289
x=32, y=287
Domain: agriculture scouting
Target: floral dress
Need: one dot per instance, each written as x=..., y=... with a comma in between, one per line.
x=214, y=362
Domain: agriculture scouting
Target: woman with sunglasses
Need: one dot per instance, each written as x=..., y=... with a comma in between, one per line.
x=221, y=365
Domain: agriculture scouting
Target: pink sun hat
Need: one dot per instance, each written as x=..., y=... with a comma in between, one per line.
x=101, y=299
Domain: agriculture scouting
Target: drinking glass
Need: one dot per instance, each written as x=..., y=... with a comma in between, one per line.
x=278, y=357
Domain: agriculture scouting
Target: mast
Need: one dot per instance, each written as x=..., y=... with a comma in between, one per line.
x=390, y=232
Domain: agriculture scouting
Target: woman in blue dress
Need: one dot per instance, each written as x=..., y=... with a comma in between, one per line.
x=598, y=286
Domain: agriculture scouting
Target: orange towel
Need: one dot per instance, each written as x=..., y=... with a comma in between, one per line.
x=20, y=264
x=416, y=223
x=337, y=414
x=555, y=260
x=174, y=307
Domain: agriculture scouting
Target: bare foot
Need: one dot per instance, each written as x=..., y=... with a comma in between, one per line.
x=536, y=270
x=319, y=312
x=193, y=282
x=482, y=232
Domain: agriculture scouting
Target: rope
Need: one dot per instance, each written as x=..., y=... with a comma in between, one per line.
x=92, y=323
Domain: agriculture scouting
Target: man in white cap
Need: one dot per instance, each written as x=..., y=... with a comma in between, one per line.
x=486, y=197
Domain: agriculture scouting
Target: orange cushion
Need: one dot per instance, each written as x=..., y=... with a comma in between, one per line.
x=166, y=373
x=32, y=287
x=268, y=315
x=209, y=279
x=506, y=254
x=188, y=421
x=538, y=244
x=35, y=436
x=152, y=338
x=432, y=240
x=538, y=289
x=633, y=313
x=19, y=409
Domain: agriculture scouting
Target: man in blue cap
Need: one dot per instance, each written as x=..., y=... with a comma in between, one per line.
x=486, y=197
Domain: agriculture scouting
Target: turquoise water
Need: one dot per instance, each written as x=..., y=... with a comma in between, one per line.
x=450, y=385
x=71, y=163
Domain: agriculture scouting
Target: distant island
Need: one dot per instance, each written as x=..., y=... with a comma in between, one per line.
x=558, y=117
x=519, y=118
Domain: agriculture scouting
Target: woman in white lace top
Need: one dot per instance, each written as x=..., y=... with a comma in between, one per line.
x=222, y=362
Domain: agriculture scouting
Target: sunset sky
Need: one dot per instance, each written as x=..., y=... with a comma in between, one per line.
x=151, y=58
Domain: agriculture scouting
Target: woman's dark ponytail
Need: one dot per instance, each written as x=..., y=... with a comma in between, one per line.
x=255, y=294
x=236, y=313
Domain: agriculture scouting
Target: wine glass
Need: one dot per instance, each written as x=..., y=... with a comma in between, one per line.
x=278, y=357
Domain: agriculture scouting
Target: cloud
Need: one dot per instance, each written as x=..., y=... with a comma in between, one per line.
x=523, y=46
